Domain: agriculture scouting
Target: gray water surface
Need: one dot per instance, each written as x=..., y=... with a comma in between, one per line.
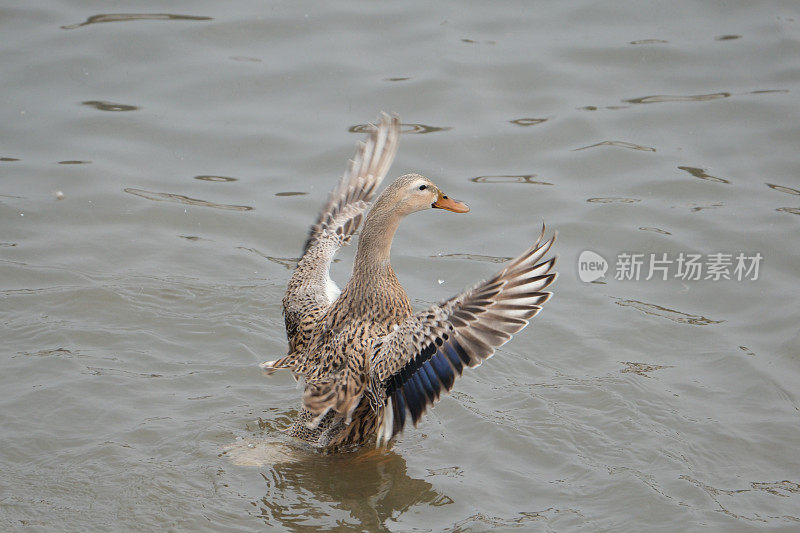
x=159, y=167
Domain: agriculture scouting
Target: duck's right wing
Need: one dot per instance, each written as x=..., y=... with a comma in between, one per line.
x=311, y=290
x=412, y=366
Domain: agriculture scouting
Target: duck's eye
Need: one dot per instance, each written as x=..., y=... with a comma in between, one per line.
x=423, y=187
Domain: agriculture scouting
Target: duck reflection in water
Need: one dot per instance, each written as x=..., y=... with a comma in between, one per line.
x=307, y=489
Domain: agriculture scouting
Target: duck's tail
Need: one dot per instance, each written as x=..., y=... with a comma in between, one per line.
x=341, y=392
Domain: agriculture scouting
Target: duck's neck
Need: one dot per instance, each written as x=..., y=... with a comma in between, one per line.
x=374, y=289
x=374, y=293
x=375, y=243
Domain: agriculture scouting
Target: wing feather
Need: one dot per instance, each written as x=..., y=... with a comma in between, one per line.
x=311, y=290
x=421, y=359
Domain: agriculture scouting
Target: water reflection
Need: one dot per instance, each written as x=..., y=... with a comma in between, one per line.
x=660, y=98
x=650, y=41
x=290, y=193
x=364, y=490
x=109, y=106
x=523, y=520
x=792, y=210
x=702, y=174
x=181, y=199
x=74, y=162
x=404, y=128
x=620, y=144
x=727, y=37
x=405, y=78
x=509, y=178
x=124, y=17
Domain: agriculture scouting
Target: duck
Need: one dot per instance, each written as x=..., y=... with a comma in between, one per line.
x=367, y=363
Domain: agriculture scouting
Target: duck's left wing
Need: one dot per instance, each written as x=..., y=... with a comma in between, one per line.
x=311, y=289
x=413, y=365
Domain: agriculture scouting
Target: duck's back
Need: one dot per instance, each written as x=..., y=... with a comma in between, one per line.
x=368, y=307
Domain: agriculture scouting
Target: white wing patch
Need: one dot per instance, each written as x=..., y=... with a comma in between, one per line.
x=332, y=291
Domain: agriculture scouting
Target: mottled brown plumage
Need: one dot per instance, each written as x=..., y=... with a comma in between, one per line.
x=366, y=361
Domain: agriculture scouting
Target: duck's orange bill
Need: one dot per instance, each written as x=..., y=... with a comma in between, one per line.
x=443, y=202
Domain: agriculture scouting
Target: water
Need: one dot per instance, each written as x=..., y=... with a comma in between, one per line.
x=158, y=177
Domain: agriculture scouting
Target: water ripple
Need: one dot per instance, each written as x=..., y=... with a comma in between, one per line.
x=288, y=262
x=474, y=257
x=778, y=488
x=664, y=312
x=725, y=498
x=655, y=230
x=215, y=178
x=700, y=173
x=509, y=178
x=595, y=108
x=641, y=369
x=125, y=17
x=245, y=59
x=55, y=352
x=404, y=128
x=613, y=200
x=620, y=144
x=660, y=98
x=694, y=207
x=528, y=121
x=109, y=106
x=181, y=199
x=781, y=188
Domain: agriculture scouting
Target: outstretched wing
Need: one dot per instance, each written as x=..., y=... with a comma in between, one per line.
x=421, y=359
x=311, y=289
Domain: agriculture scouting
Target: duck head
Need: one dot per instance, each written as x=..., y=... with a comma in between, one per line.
x=413, y=192
x=408, y=194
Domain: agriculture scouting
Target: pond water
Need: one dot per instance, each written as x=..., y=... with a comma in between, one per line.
x=160, y=165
